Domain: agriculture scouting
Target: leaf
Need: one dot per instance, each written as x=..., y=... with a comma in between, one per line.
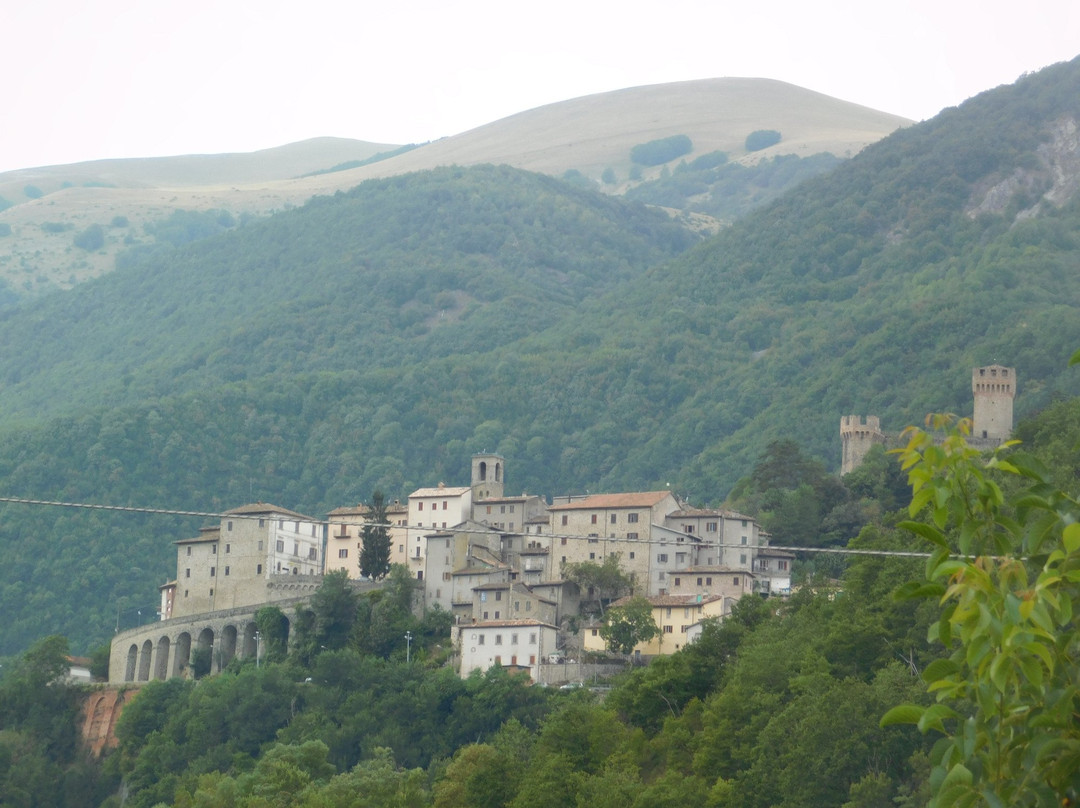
x=928, y=532
x=939, y=669
x=1071, y=537
x=1074, y=359
x=902, y=714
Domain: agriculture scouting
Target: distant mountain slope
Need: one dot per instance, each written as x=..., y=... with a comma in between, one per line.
x=585, y=134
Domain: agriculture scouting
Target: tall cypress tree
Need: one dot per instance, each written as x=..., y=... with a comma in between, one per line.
x=375, y=555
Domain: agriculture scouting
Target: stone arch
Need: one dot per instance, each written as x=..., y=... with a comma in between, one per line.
x=205, y=646
x=182, y=654
x=498, y=472
x=227, y=646
x=144, y=660
x=248, y=645
x=483, y=471
x=132, y=662
x=161, y=669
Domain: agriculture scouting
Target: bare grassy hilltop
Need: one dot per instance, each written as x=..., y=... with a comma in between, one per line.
x=52, y=206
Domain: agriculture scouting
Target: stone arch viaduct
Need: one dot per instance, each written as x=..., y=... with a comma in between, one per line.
x=163, y=650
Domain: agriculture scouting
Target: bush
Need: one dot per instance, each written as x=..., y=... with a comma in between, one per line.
x=658, y=152
x=33, y=192
x=92, y=238
x=5, y=229
x=119, y=221
x=608, y=177
x=762, y=139
x=709, y=160
x=55, y=227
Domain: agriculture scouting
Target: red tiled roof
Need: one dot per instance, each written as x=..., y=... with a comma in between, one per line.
x=259, y=508
x=642, y=499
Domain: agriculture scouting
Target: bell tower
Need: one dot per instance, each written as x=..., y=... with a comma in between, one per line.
x=488, y=471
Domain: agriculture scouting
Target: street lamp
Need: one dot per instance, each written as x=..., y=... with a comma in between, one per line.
x=408, y=647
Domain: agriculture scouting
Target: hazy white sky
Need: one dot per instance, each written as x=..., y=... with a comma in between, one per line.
x=90, y=79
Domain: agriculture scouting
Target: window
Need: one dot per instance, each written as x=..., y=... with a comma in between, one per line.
x=594, y=539
x=517, y=605
x=498, y=639
x=528, y=605
x=228, y=525
x=444, y=504
x=211, y=592
x=563, y=539
x=594, y=518
x=632, y=518
x=187, y=573
x=708, y=581
x=498, y=595
x=226, y=570
x=262, y=523
x=661, y=558
x=744, y=539
x=668, y=612
x=498, y=659
x=564, y=518
x=343, y=552
x=260, y=545
x=632, y=552
x=592, y=556
x=502, y=509
x=513, y=639
x=213, y=572
x=313, y=554
x=489, y=509
x=480, y=640
x=446, y=576
x=258, y=569
x=213, y=549
x=742, y=558
x=185, y=593
x=632, y=536
x=420, y=506
x=447, y=542
x=296, y=548
x=689, y=529
x=280, y=545
x=511, y=509
x=710, y=527
x=189, y=550
x=669, y=629
x=228, y=548
x=678, y=581
x=735, y=580
x=401, y=548
x=612, y=518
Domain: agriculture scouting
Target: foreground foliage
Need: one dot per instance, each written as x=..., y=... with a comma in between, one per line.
x=1008, y=696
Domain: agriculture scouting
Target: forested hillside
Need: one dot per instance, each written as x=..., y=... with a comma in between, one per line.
x=377, y=338
x=781, y=704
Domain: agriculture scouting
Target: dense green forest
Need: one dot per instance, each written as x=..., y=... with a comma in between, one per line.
x=781, y=704
x=377, y=338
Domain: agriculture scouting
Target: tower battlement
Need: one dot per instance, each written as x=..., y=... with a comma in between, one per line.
x=857, y=435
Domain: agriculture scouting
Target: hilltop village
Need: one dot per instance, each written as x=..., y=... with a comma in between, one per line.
x=496, y=562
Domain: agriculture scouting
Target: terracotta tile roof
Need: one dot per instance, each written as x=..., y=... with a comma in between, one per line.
x=717, y=512
x=350, y=510
x=444, y=491
x=503, y=624
x=675, y=600
x=771, y=553
x=643, y=499
x=260, y=508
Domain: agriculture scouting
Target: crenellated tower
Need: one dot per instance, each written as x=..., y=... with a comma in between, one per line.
x=993, y=388
x=857, y=436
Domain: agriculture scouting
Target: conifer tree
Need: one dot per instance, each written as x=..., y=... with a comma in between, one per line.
x=375, y=555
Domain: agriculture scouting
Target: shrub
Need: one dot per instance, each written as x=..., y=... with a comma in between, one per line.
x=92, y=238
x=5, y=229
x=33, y=192
x=709, y=160
x=608, y=177
x=762, y=139
x=55, y=227
x=119, y=221
x=658, y=152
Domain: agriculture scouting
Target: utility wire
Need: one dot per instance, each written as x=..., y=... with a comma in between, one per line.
x=666, y=542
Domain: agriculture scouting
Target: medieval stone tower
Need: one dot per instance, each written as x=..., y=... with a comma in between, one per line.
x=994, y=388
x=857, y=435
x=487, y=476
